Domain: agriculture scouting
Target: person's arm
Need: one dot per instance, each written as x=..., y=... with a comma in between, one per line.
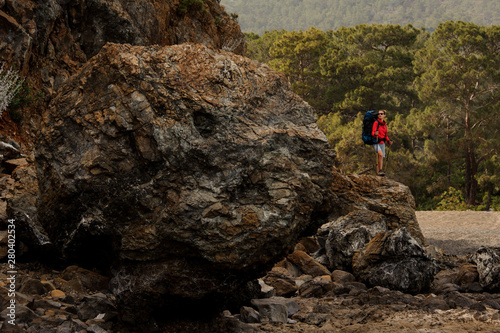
x=387, y=136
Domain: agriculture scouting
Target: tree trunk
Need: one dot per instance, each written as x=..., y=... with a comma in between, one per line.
x=470, y=163
x=488, y=200
x=470, y=174
x=448, y=175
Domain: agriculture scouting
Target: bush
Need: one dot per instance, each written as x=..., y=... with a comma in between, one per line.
x=25, y=96
x=494, y=204
x=452, y=199
x=187, y=4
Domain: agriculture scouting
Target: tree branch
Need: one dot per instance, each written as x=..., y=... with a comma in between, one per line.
x=445, y=116
x=485, y=156
x=477, y=124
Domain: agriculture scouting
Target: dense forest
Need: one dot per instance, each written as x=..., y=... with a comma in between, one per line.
x=441, y=90
x=265, y=15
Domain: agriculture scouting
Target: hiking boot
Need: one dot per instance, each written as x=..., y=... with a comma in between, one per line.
x=381, y=173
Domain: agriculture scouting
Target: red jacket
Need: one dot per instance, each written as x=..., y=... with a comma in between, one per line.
x=381, y=126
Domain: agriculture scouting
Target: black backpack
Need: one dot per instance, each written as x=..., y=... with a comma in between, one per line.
x=368, y=120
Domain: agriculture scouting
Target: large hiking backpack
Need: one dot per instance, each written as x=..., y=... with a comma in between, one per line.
x=368, y=120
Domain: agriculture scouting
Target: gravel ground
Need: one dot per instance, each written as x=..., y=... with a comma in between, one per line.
x=460, y=233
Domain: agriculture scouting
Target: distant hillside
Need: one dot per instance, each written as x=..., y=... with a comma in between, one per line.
x=261, y=15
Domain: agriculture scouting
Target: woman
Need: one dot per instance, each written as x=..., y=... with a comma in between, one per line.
x=379, y=131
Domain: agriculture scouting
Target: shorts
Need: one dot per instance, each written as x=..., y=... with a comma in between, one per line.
x=380, y=146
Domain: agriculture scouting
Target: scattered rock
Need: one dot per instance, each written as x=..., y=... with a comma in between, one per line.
x=57, y=293
x=33, y=286
x=266, y=290
x=250, y=315
x=492, y=303
x=97, y=305
x=433, y=302
x=309, y=244
x=307, y=264
x=467, y=275
x=455, y=299
x=487, y=261
x=9, y=149
x=38, y=310
x=342, y=276
x=283, y=284
x=86, y=279
x=276, y=309
x=23, y=314
x=11, y=165
x=317, y=287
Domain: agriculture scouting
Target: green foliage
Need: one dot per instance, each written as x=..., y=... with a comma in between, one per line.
x=264, y=15
x=490, y=203
x=258, y=47
x=452, y=199
x=297, y=54
x=460, y=79
x=234, y=16
x=352, y=155
x=25, y=96
x=370, y=67
x=441, y=91
x=489, y=180
x=186, y=5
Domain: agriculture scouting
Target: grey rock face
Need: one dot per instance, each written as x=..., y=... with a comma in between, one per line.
x=16, y=42
x=377, y=194
x=349, y=234
x=48, y=41
x=395, y=260
x=22, y=207
x=179, y=164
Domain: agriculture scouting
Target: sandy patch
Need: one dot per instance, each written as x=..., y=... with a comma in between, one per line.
x=460, y=233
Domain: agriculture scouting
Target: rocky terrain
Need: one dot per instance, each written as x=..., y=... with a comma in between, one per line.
x=73, y=299
x=162, y=182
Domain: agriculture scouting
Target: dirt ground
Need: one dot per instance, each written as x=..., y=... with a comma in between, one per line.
x=460, y=233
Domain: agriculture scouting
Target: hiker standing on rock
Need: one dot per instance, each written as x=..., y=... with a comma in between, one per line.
x=379, y=131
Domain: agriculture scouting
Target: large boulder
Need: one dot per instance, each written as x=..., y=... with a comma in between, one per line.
x=363, y=207
x=188, y=169
x=395, y=260
x=377, y=194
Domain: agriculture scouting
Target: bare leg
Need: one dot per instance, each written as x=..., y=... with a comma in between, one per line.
x=380, y=161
